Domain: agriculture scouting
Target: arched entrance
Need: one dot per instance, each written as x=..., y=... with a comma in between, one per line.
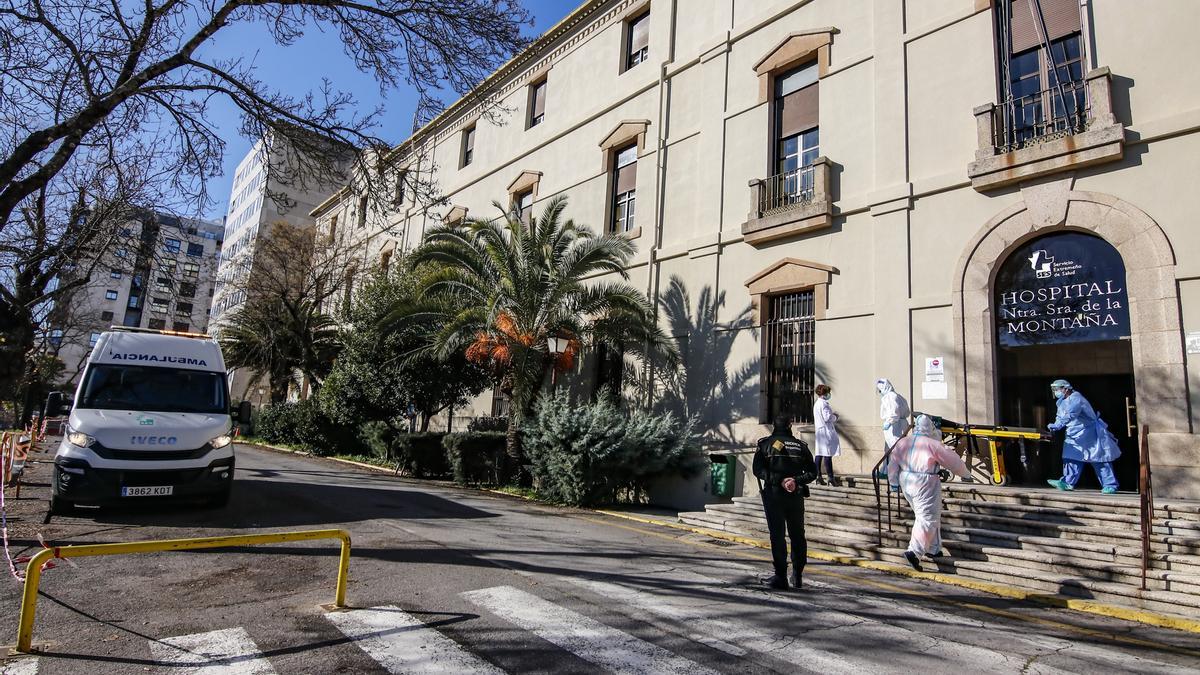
x=1156, y=339
x=1061, y=310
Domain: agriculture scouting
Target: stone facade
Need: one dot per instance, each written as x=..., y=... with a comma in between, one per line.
x=919, y=208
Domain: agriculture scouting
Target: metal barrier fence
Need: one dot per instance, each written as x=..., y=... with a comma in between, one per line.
x=33, y=572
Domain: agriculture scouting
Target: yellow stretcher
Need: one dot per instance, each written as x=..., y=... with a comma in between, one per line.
x=965, y=439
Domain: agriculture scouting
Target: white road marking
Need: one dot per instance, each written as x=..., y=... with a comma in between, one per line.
x=402, y=643
x=24, y=666
x=584, y=637
x=736, y=637
x=224, y=652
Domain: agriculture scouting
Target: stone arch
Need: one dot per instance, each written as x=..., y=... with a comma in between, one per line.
x=1155, y=324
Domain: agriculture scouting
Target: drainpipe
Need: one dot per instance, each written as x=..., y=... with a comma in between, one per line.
x=652, y=282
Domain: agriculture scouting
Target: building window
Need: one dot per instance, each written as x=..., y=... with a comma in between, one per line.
x=362, y=212
x=181, y=326
x=163, y=285
x=135, y=301
x=183, y=308
x=158, y=324
x=56, y=337
x=790, y=356
x=121, y=253
x=110, y=295
x=159, y=304
x=187, y=290
x=95, y=337
x=637, y=37
x=537, y=103
x=524, y=204
x=168, y=266
x=195, y=250
x=1044, y=93
x=333, y=228
x=385, y=260
x=797, y=137
x=172, y=245
x=114, y=274
x=468, y=146
x=501, y=403
x=106, y=316
x=624, y=188
x=191, y=270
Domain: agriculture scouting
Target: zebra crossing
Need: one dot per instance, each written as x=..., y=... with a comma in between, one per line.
x=706, y=611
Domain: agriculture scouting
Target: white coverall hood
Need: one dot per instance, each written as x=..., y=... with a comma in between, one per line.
x=883, y=386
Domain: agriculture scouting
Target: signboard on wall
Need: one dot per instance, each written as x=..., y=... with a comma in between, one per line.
x=1067, y=287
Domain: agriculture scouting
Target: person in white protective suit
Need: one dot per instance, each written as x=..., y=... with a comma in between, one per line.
x=828, y=445
x=913, y=469
x=893, y=411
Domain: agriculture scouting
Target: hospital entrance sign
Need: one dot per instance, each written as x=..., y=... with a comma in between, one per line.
x=1061, y=288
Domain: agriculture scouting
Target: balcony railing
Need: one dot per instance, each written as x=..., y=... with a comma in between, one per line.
x=786, y=190
x=1062, y=128
x=789, y=203
x=1039, y=118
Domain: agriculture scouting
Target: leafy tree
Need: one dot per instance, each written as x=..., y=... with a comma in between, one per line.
x=511, y=285
x=381, y=369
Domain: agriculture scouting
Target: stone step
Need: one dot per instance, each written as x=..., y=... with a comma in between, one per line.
x=1094, y=560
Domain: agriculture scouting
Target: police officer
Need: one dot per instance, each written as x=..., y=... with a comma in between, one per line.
x=784, y=467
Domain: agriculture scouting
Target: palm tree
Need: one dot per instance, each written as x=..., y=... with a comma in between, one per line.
x=275, y=339
x=514, y=285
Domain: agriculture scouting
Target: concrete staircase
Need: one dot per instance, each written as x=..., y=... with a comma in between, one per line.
x=1081, y=544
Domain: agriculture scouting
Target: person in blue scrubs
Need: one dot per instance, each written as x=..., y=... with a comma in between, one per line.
x=1087, y=440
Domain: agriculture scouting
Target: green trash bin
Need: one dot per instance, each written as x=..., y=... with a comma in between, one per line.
x=722, y=470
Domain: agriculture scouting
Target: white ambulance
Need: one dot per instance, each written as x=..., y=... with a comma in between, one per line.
x=150, y=419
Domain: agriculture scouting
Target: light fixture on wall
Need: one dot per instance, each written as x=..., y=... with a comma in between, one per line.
x=556, y=346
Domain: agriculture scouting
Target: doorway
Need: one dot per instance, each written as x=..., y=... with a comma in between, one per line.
x=1061, y=311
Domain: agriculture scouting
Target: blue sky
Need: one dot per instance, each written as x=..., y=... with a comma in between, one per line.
x=298, y=68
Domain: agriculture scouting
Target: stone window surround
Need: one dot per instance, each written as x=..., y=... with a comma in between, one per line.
x=527, y=181
x=456, y=214
x=794, y=50
x=1160, y=373
x=534, y=78
x=622, y=135
x=789, y=275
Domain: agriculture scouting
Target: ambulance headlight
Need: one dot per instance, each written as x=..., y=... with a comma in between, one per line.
x=221, y=441
x=79, y=438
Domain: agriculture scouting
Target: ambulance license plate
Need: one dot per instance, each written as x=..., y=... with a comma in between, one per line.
x=156, y=491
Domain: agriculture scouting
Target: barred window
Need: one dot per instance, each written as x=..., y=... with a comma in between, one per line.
x=790, y=356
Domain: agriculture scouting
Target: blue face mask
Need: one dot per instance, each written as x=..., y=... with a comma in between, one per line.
x=826, y=397
x=1058, y=394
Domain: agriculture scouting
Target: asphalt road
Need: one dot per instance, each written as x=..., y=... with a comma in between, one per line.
x=451, y=580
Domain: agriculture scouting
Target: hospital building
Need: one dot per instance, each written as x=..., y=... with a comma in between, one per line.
x=971, y=198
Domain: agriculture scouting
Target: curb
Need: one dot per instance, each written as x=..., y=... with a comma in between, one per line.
x=1012, y=592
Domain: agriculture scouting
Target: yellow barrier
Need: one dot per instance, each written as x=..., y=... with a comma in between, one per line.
x=33, y=572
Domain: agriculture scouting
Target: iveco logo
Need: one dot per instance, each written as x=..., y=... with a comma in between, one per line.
x=153, y=440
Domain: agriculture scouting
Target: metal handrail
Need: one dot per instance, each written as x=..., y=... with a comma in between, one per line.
x=1024, y=121
x=787, y=190
x=878, y=503
x=1146, y=506
x=33, y=571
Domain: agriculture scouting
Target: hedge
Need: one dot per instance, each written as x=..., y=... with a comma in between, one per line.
x=475, y=457
x=301, y=424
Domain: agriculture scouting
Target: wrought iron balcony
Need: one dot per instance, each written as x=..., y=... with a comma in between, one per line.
x=789, y=204
x=1062, y=128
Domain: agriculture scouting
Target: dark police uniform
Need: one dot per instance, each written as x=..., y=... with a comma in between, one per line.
x=779, y=456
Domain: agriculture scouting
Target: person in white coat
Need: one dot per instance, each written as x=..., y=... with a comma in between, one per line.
x=825, y=427
x=893, y=411
x=913, y=469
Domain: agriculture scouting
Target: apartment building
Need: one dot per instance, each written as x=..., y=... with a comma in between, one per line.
x=970, y=198
x=160, y=274
x=272, y=184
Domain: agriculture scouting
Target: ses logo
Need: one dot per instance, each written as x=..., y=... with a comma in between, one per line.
x=1045, y=266
x=153, y=440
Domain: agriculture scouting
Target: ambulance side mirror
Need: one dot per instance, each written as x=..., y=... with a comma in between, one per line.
x=57, y=404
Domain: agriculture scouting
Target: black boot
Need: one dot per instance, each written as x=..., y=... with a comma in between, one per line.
x=777, y=581
x=913, y=560
x=797, y=580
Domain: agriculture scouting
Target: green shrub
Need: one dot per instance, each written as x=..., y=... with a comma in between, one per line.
x=595, y=453
x=302, y=425
x=488, y=423
x=475, y=457
x=421, y=454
